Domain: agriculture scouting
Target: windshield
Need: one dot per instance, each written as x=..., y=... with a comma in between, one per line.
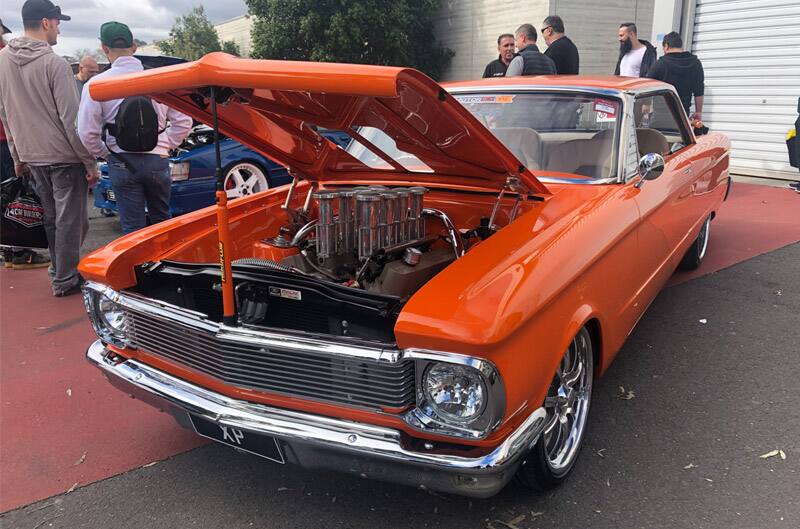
x=566, y=133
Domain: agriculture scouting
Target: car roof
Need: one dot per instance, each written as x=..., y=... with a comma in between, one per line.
x=589, y=82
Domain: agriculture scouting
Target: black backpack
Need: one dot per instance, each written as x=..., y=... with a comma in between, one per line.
x=136, y=125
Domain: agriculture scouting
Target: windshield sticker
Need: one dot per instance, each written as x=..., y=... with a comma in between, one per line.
x=602, y=117
x=609, y=108
x=472, y=100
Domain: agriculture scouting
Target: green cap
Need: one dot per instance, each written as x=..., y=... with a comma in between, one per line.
x=116, y=35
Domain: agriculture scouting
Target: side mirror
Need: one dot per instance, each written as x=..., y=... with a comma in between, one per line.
x=651, y=165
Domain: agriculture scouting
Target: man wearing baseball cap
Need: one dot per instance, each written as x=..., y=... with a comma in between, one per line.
x=39, y=107
x=141, y=180
x=14, y=257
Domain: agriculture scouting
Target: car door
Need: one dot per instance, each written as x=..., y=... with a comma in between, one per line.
x=669, y=207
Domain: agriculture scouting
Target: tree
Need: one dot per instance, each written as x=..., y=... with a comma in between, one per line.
x=386, y=32
x=228, y=46
x=139, y=43
x=191, y=37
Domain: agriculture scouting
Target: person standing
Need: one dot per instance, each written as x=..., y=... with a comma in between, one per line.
x=87, y=69
x=39, y=106
x=559, y=47
x=139, y=179
x=13, y=257
x=795, y=145
x=636, y=57
x=505, y=47
x=682, y=70
x=529, y=60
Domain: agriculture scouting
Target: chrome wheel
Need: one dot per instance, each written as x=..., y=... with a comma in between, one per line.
x=245, y=179
x=702, y=239
x=567, y=404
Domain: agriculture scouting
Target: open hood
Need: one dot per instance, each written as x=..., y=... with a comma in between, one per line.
x=405, y=127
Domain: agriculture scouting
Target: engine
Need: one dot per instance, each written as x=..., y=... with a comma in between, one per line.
x=371, y=238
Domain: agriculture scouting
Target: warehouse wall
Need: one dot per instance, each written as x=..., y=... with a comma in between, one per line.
x=593, y=25
x=471, y=27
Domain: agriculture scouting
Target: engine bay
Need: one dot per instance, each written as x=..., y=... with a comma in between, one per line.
x=343, y=263
x=370, y=238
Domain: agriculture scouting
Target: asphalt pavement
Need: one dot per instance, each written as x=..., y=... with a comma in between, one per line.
x=711, y=379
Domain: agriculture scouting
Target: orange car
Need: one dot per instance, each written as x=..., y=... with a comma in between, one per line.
x=428, y=305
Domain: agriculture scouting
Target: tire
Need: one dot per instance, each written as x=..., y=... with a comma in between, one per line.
x=245, y=178
x=552, y=458
x=697, y=251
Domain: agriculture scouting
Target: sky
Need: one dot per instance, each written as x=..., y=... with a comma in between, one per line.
x=149, y=20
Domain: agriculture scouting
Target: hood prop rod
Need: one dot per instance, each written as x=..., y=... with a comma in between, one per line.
x=223, y=230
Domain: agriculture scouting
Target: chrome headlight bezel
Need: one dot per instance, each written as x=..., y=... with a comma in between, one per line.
x=101, y=301
x=428, y=417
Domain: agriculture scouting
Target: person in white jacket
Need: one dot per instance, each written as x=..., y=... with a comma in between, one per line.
x=140, y=180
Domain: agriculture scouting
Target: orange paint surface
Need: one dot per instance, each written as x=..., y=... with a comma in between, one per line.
x=581, y=254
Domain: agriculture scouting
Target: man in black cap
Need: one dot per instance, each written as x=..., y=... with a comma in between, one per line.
x=14, y=257
x=141, y=180
x=39, y=108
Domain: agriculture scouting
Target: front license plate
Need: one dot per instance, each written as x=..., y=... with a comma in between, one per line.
x=111, y=196
x=255, y=443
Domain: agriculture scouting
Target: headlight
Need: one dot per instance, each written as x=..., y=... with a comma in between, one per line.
x=456, y=393
x=107, y=316
x=112, y=316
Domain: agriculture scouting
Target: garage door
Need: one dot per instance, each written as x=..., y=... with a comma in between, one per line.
x=750, y=51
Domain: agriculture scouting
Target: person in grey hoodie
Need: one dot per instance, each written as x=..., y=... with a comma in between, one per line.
x=39, y=108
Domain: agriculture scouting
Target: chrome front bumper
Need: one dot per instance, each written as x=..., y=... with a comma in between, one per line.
x=313, y=441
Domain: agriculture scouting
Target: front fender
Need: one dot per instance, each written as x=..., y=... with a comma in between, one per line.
x=518, y=298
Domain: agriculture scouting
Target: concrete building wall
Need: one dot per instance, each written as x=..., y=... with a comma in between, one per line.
x=471, y=28
x=238, y=30
x=592, y=25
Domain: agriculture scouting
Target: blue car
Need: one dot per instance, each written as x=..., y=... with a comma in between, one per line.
x=192, y=170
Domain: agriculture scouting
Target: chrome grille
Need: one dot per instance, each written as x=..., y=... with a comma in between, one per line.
x=332, y=378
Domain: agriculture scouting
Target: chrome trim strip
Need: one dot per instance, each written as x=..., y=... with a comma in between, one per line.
x=534, y=88
x=341, y=435
x=583, y=181
x=264, y=338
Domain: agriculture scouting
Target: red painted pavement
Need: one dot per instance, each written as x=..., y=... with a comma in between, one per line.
x=54, y=407
x=755, y=219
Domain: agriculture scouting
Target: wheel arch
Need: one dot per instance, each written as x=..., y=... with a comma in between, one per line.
x=595, y=332
x=586, y=316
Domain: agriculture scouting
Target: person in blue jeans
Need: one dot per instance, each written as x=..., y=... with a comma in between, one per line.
x=140, y=180
x=147, y=184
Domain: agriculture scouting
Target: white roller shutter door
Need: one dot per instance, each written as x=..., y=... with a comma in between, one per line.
x=750, y=51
